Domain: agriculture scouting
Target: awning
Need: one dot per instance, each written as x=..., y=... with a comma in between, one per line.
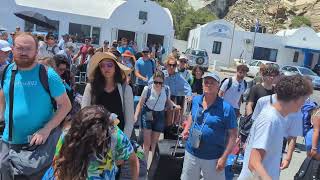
x=303, y=49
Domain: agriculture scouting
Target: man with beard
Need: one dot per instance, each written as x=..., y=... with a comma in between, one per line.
x=31, y=123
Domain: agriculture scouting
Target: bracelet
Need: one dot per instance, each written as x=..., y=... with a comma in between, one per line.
x=313, y=148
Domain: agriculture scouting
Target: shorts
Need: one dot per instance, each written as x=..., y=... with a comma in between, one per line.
x=158, y=122
x=308, y=139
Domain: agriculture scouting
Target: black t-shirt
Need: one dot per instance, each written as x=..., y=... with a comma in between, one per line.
x=197, y=86
x=257, y=92
x=112, y=102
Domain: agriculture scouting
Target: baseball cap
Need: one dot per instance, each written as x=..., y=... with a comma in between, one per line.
x=4, y=46
x=182, y=56
x=212, y=75
x=146, y=49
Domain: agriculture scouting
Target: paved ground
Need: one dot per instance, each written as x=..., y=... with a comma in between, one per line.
x=300, y=153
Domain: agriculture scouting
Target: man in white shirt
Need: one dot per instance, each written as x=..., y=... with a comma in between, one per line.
x=294, y=126
x=63, y=41
x=264, y=144
x=231, y=89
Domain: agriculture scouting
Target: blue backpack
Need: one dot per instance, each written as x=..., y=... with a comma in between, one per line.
x=306, y=115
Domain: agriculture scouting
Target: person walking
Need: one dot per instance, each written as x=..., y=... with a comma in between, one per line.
x=107, y=86
x=270, y=75
x=31, y=122
x=49, y=48
x=152, y=108
x=144, y=69
x=211, y=132
x=232, y=89
x=263, y=151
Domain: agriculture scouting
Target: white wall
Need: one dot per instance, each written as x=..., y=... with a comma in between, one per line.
x=126, y=17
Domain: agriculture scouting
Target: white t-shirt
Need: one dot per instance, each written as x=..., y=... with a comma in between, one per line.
x=152, y=101
x=233, y=94
x=47, y=51
x=294, y=120
x=266, y=133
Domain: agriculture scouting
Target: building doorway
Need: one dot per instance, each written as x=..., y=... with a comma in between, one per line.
x=130, y=35
x=154, y=39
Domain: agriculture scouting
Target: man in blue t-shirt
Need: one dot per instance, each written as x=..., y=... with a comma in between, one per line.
x=211, y=130
x=144, y=70
x=34, y=121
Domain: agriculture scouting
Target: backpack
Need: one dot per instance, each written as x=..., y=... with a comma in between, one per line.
x=53, y=48
x=230, y=83
x=245, y=124
x=43, y=76
x=309, y=170
x=306, y=115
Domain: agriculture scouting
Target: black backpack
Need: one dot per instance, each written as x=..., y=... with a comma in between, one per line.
x=230, y=83
x=43, y=76
x=309, y=170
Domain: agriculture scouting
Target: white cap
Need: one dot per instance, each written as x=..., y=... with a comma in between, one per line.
x=4, y=46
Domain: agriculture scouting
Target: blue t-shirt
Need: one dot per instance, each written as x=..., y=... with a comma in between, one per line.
x=220, y=117
x=32, y=107
x=122, y=49
x=146, y=69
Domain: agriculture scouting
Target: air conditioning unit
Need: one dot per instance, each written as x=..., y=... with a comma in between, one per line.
x=248, y=41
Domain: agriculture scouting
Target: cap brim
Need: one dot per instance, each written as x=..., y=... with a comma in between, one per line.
x=98, y=57
x=5, y=49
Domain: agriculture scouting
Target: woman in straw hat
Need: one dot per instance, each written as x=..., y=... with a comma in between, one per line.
x=107, y=86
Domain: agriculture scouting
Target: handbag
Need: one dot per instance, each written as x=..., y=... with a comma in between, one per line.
x=309, y=170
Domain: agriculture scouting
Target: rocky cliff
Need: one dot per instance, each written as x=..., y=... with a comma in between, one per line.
x=273, y=14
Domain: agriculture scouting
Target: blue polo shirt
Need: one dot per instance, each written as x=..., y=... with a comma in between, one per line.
x=220, y=117
x=32, y=107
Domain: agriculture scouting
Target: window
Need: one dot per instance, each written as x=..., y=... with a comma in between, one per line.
x=253, y=63
x=216, y=47
x=30, y=27
x=296, y=56
x=143, y=15
x=81, y=31
x=261, y=53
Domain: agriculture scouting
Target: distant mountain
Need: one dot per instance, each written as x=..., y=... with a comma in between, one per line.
x=273, y=14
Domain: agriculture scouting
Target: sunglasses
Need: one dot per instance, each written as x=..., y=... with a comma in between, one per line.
x=108, y=64
x=158, y=82
x=172, y=65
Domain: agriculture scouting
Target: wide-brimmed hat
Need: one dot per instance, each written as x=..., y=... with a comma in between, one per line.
x=100, y=56
x=127, y=53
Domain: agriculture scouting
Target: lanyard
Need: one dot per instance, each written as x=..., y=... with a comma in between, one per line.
x=204, y=121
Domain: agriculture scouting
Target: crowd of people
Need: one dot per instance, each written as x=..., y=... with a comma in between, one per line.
x=50, y=134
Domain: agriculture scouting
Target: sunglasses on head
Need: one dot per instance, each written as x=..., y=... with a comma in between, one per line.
x=158, y=82
x=108, y=64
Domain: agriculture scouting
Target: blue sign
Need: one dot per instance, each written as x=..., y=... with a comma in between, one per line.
x=220, y=30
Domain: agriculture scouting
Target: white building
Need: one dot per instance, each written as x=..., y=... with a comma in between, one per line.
x=225, y=42
x=143, y=21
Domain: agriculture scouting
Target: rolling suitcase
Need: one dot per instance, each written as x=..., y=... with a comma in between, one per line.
x=167, y=161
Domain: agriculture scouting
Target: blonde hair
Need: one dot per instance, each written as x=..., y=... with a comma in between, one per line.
x=170, y=58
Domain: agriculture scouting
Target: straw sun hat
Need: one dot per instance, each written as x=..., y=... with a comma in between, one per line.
x=100, y=56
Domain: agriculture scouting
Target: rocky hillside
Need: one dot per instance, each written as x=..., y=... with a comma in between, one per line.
x=273, y=14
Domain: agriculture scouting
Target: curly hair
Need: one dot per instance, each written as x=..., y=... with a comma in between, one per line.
x=293, y=87
x=88, y=136
x=269, y=69
x=98, y=82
